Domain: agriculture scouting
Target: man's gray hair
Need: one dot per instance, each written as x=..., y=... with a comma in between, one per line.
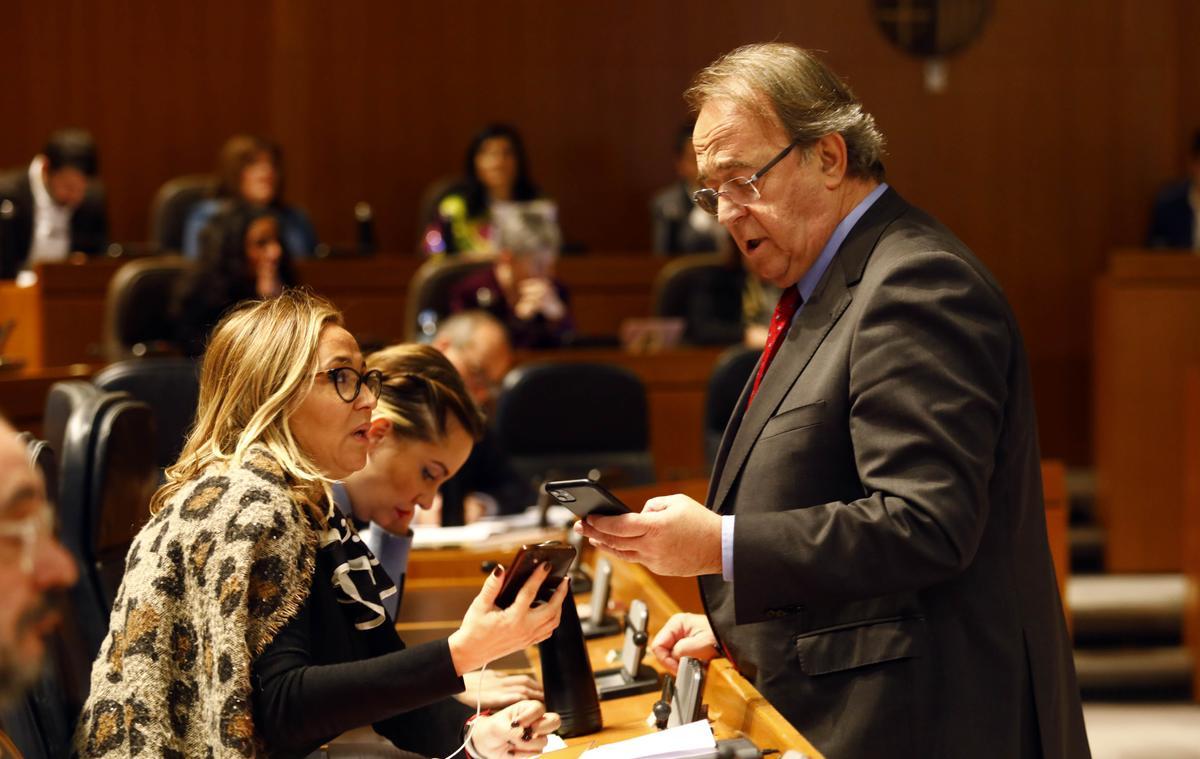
x=781, y=81
x=459, y=328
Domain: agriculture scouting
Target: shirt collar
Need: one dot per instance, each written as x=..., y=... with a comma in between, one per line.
x=341, y=499
x=813, y=276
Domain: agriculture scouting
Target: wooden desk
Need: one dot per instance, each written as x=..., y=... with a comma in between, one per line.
x=61, y=317
x=735, y=707
x=23, y=392
x=1145, y=334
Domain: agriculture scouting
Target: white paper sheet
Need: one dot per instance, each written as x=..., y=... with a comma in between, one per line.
x=694, y=738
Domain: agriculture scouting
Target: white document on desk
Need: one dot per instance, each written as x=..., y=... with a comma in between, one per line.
x=690, y=740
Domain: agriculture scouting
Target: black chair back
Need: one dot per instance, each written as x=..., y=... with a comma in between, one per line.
x=169, y=386
x=137, y=308
x=172, y=205
x=62, y=400
x=41, y=457
x=679, y=278
x=429, y=290
x=559, y=420
x=108, y=475
x=729, y=376
x=123, y=480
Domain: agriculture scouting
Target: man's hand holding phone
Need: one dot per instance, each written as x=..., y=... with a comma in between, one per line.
x=673, y=535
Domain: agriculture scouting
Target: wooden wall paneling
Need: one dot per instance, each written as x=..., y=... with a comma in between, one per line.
x=1043, y=153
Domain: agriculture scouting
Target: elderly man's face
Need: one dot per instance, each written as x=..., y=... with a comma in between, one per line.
x=482, y=361
x=782, y=233
x=34, y=569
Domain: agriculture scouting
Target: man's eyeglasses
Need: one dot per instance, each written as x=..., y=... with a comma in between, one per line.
x=20, y=536
x=349, y=382
x=740, y=190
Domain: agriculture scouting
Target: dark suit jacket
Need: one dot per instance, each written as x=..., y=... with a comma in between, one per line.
x=893, y=590
x=89, y=222
x=1172, y=222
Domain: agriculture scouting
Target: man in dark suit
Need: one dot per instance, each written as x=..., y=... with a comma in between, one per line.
x=54, y=206
x=1173, y=222
x=873, y=555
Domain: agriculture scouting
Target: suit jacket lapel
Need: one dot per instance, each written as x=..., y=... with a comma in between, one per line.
x=830, y=299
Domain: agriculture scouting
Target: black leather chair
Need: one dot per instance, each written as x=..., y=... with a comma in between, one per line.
x=137, y=318
x=561, y=420
x=108, y=475
x=42, y=458
x=678, y=278
x=171, y=206
x=169, y=386
x=62, y=400
x=429, y=289
x=729, y=375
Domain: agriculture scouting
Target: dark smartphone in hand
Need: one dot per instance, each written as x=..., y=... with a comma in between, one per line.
x=584, y=497
x=557, y=554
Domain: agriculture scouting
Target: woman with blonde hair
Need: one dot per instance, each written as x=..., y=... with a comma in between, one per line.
x=251, y=619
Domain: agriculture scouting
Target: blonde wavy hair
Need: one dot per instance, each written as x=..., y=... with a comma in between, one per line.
x=421, y=388
x=260, y=364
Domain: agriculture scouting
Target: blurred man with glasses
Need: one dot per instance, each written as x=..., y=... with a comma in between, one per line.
x=35, y=569
x=873, y=552
x=477, y=344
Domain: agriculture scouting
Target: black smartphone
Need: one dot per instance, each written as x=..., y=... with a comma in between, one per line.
x=557, y=554
x=584, y=497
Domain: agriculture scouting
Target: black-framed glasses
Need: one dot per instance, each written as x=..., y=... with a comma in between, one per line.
x=740, y=190
x=349, y=382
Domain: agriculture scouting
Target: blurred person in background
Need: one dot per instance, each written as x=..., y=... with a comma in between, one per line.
x=55, y=205
x=477, y=344
x=1175, y=220
x=242, y=257
x=495, y=170
x=520, y=289
x=679, y=226
x=250, y=171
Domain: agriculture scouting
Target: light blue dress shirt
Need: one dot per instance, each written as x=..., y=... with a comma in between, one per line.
x=807, y=284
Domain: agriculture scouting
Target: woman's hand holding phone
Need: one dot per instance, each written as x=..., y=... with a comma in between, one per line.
x=488, y=632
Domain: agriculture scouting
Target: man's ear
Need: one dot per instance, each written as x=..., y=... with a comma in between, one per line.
x=830, y=150
x=380, y=428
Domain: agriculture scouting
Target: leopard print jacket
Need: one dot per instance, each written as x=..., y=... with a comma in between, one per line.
x=209, y=581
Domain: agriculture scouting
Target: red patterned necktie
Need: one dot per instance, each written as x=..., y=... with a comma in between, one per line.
x=789, y=301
